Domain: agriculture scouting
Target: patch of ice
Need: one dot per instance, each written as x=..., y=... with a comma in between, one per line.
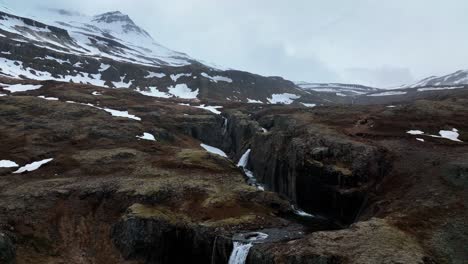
x=147, y=136
x=420, y=139
x=217, y=78
x=213, y=150
x=183, y=91
x=284, y=98
x=32, y=166
x=22, y=87
x=8, y=164
x=212, y=109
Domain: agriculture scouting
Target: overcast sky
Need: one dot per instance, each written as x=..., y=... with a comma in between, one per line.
x=374, y=42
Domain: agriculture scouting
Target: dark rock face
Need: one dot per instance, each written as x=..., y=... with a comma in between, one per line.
x=158, y=241
x=7, y=249
x=321, y=172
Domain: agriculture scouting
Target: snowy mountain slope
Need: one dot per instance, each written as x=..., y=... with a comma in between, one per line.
x=457, y=78
x=110, y=35
x=111, y=50
x=339, y=89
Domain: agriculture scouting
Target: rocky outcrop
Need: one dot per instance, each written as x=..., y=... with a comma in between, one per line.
x=373, y=241
x=158, y=237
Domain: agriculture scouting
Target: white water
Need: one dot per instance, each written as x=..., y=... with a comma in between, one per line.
x=244, y=159
x=243, y=162
x=239, y=253
x=241, y=250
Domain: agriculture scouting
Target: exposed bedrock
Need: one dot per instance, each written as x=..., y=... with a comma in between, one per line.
x=319, y=170
x=156, y=238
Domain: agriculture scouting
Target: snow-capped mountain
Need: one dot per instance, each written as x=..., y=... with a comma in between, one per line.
x=339, y=89
x=456, y=78
x=111, y=50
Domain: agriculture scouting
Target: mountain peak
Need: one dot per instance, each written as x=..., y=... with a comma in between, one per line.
x=120, y=23
x=113, y=16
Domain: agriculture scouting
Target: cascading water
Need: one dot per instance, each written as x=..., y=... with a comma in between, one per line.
x=239, y=253
x=241, y=248
x=244, y=160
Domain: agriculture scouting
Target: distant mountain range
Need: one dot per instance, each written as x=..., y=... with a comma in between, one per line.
x=111, y=50
x=340, y=89
x=456, y=78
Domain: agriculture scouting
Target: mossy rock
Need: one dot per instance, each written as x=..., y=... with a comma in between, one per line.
x=203, y=160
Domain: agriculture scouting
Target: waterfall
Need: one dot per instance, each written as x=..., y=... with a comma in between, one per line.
x=300, y=212
x=225, y=125
x=241, y=250
x=243, y=162
x=239, y=253
x=244, y=159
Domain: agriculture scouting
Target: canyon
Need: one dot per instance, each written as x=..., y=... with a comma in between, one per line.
x=371, y=190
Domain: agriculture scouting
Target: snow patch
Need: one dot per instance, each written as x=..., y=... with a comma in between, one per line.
x=212, y=109
x=415, y=132
x=217, y=78
x=252, y=101
x=183, y=91
x=309, y=105
x=439, y=88
x=32, y=166
x=48, y=98
x=155, y=75
x=22, y=87
x=213, y=150
x=119, y=113
x=175, y=77
x=388, y=93
x=8, y=164
x=154, y=92
x=147, y=136
x=284, y=98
